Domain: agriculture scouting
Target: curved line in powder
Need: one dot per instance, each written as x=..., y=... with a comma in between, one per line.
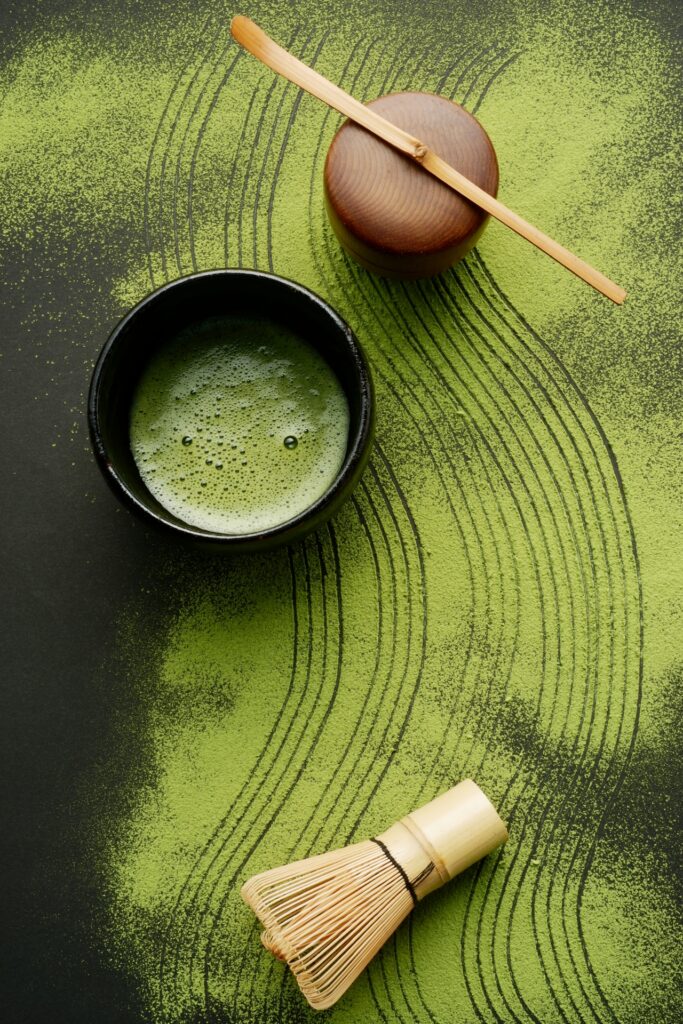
x=195, y=155
x=621, y=501
x=591, y=562
x=199, y=99
x=167, y=148
x=150, y=161
x=241, y=147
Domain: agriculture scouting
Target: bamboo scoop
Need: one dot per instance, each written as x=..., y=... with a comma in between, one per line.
x=255, y=40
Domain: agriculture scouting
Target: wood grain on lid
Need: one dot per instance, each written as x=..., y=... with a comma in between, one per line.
x=388, y=213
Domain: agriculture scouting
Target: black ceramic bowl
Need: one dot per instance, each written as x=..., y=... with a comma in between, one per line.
x=192, y=299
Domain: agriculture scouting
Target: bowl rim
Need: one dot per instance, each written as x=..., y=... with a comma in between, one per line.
x=360, y=438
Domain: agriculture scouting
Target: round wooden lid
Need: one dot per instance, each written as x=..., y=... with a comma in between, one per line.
x=391, y=215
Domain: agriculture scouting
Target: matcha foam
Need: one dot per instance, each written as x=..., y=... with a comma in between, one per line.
x=238, y=425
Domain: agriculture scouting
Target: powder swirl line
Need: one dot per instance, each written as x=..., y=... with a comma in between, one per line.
x=589, y=560
x=617, y=562
x=567, y=465
x=549, y=495
x=147, y=223
x=609, y=479
x=474, y=393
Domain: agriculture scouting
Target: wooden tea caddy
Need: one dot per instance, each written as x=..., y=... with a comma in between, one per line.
x=255, y=40
x=388, y=214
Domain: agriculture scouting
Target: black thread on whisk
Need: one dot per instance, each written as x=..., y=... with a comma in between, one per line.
x=408, y=883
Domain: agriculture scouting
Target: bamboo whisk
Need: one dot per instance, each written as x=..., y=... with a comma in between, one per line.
x=329, y=915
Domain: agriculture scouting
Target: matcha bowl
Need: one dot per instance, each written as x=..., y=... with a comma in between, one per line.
x=232, y=408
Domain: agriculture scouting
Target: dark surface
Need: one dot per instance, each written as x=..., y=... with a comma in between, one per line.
x=70, y=558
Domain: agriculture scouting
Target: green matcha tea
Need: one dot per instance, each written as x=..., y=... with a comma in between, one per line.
x=238, y=425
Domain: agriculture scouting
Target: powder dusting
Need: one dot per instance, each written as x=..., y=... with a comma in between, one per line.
x=475, y=610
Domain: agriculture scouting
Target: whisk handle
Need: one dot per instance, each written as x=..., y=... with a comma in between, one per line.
x=447, y=835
